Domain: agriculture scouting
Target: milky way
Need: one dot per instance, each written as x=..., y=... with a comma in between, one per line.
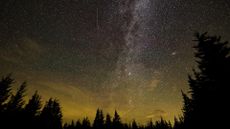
x=129, y=71
x=130, y=55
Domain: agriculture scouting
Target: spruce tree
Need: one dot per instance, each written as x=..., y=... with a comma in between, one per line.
x=208, y=84
x=16, y=101
x=99, y=120
x=32, y=110
x=5, y=88
x=116, y=121
x=51, y=115
x=86, y=123
x=108, y=122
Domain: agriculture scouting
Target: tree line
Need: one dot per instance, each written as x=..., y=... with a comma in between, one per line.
x=204, y=106
x=15, y=113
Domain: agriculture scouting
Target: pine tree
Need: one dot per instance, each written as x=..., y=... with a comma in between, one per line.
x=78, y=124
x=149, y=125
x=5, y=92
x=16, y=101
x=187, y=109
x=134, y=125
x=117, y=121
x=31, y=111
x=51, y=115
x=15, y=108
x=162, y=124
x=34, y=105
x=5, y=88
x=72, y=125
x=85, y=123
x=99, y=120
x=178, y=123
x=209, y=85
x=108, y=122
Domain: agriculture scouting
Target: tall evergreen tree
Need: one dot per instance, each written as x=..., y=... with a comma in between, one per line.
x=108, y=122
x=78, y=124
x=16, y=101
x=149, y=125
x=99, y=120
x=162, y=124
x=209, y=85
x=51, y=115
x=134, y=125
x=31, y=111
x=178, y=123
x=86, y=123
x=5, y=92
x=5, y=88
x=15, y=108
x=187, y=110
x=117, y=121
x=34, y=105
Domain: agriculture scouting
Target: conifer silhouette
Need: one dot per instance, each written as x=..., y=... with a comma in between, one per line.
x=51, y=115
x=208, y=85
x=99, y=120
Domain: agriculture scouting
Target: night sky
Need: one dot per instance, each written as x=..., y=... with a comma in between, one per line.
x=130, y=55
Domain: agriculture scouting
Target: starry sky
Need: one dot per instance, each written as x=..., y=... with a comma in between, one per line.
x=130, y=55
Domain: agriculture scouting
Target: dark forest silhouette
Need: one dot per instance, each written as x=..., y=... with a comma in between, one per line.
x=203, y=107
